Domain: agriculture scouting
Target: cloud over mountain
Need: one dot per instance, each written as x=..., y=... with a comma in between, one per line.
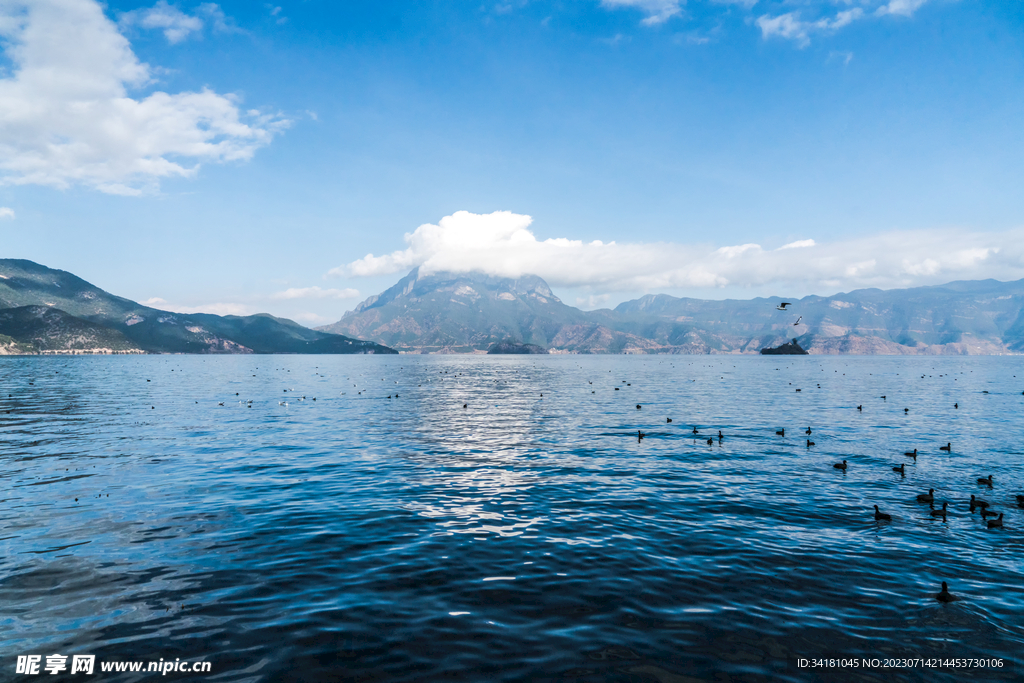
x=502, y=244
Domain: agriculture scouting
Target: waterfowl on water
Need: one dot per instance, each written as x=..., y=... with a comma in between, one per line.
x=711, y=440
x=939, y=513
x=639, y=436
x=900, y=470
x=944, y=595
x=987, y=481
x=808, y=432
x=911, y=455
x=881, y=515
x=996, y=523
x=638, y=406
x=809, y=443
x=696, y=431
x=947, y=447
x=956, y=405
x=986, y=513
x=781, y=432
x=668, y=419
x=840, y=465
x=861, y=408
x=1020, y=498
x=978, y=502
x=926, y=497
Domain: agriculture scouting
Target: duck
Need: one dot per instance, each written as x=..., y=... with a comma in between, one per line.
x=900, y=470
x=861, y=408
x=986, y=513
x=711, y=440
x=809, y=443
x=996, y=523
x=638, y=406
x=926, y=497
x=987, y=481
x=948, y=447
x=696, y=431
x=978, y=502
x=1020, y=498
x=668, y=420
x=911, y=454
x=840, y=465
x=639, y=436
x=939, y=513
x=808, y=432
x=781, y=432
x=956, y=406
x=882, y=515
x=944, y=595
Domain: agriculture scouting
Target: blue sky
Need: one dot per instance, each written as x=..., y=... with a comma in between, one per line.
x=247, y=157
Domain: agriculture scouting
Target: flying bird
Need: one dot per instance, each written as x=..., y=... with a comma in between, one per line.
x=782, y=306
x=798, y=320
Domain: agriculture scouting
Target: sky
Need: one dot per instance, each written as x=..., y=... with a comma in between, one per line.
x=297, y=157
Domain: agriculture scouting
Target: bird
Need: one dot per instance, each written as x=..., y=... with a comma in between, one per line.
x=711, y=440
x=985, y=513
x=978, y=502
x=639, y=436
x=668, y=419
x=996, y=523
x=906, y=410
x=861, y=408
x=987, y=481
x=956, y=405
x=881, y=515
x=939, y=513
x=798, y=321
x=782, y=306
x=808, y=432
x=911, y=454
x=465, y=405
x=695, y=431
x=948, y=447
x=638, y=406
x=809, y=443
x=900, y=469
x=781, y=432
x=926, y=497
x=944, y=595
x=840, y=465
x=1020, y=499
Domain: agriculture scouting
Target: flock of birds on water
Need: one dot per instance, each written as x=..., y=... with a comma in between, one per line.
x=988, y=514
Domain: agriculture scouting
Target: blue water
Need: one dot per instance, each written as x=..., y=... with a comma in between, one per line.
x=528, y=536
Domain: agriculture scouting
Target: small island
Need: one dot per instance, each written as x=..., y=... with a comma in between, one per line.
x=515, y=347
x=788, y=349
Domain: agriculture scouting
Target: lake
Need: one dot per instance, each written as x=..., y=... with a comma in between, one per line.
x=497, y=518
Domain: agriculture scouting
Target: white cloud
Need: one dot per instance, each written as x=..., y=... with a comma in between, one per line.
x=6, y=212
x=501, y=244
x=176, y=24
x=657, y=11
x=316, y=293
x=66, y=116
x=901, y=7
x=790, y=25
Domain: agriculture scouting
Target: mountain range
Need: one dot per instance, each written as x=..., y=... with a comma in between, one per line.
x=43, y=310
x=471, y=312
